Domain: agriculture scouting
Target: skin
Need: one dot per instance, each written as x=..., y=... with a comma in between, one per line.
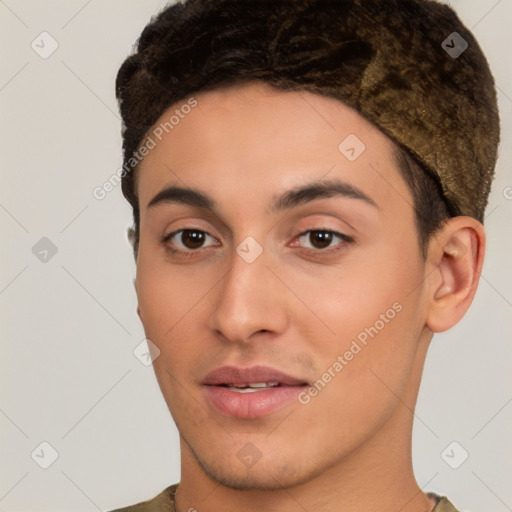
x=298, y=306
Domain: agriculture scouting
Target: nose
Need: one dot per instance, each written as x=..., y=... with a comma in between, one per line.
x=249, y=299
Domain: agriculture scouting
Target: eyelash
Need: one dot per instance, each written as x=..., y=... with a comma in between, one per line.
x=192, y=252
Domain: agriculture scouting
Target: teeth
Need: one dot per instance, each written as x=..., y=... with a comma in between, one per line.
x=252, y=387
x=244, y=390
x=263, y=384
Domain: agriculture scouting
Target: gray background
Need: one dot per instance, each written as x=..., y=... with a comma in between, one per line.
x=69, y=325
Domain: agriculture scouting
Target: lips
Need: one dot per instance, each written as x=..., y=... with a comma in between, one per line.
x=250, y=392
x=232, y=376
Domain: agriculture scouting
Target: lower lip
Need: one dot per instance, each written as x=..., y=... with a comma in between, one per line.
x=251, y=405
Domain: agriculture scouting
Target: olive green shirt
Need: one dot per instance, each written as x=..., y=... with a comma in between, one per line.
x=164, y=502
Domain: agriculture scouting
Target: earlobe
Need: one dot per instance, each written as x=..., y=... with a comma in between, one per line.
x=456, y=254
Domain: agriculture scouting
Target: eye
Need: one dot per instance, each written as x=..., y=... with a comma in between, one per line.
x=189, y=240
x=322, y=239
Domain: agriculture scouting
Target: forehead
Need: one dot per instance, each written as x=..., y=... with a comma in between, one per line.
x=251, y=137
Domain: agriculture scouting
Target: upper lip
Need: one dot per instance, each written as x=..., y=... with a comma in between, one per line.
x=237, y=375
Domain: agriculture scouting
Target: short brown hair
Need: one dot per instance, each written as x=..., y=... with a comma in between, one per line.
x=332, y=48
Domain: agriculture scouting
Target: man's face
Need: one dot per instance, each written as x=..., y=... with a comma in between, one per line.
x=345, y=311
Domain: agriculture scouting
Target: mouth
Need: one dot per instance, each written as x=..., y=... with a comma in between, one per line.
x=250, y=392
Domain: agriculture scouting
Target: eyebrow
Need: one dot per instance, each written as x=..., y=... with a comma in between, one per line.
x=299, y=195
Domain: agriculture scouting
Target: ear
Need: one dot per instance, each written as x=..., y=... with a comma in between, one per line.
x=455, y=259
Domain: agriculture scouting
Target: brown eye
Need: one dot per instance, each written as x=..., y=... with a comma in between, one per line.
x=192, y=239
x=186, y=240
x=321, y=239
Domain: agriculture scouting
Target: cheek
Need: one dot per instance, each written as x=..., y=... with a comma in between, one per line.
x=172, y=302
x=362, y=293
x=157, y=299
x=369, y=379
x=374, y=312
x=161, y=292
x=169, y=305
x=377, y=320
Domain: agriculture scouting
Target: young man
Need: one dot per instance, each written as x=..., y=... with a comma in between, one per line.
x=308, y=181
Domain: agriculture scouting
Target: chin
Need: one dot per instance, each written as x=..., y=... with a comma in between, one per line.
x=264, y=475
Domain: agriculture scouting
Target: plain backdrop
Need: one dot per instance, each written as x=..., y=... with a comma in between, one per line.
x=69, y=376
